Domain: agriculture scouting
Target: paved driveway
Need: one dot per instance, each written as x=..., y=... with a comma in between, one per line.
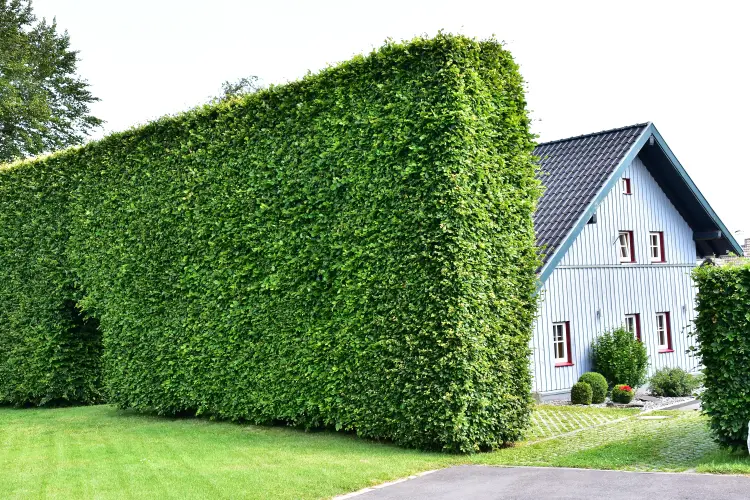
x=537, y=483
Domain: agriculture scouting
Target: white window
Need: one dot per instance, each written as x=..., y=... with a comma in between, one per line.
x=663, y=333
x=625, y=246
x=633, y=325
x=656, y=246
x=625, y=182
x=561, y=343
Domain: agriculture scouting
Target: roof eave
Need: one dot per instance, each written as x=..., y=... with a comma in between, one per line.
x=736, y=248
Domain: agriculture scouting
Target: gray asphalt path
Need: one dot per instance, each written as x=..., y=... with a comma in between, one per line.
x=539, y=483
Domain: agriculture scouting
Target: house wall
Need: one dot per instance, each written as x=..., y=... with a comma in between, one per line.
x=594, y=292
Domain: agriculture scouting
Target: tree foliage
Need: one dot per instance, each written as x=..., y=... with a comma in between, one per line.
x=43, y=105
x=353, y=250
x=237, y=88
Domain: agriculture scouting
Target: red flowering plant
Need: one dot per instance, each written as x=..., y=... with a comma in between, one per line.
x=622, y=393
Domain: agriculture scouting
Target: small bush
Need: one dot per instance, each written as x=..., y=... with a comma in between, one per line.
x=580, y=394
x=621, y=358
x=598, y=386
x=622, y=393
x=673, y=382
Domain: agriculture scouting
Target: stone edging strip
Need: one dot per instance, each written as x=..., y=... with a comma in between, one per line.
x=678, y=405
x=381, y=485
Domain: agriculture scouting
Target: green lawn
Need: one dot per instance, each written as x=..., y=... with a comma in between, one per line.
x=100, y=452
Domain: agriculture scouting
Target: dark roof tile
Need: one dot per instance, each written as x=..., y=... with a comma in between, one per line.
x=573, y=171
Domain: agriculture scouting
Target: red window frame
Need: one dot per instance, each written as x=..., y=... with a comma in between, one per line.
x=668, y=326
x=660, y=234
x=637, y=317
x=632, y=246
x=569, y=362
x=626, y=186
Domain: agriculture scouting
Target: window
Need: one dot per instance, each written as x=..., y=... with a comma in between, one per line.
x=626, y=186
x=656, y=246
x=633, y=325
x=561, y=343
x=625, y=246
x=664, y=332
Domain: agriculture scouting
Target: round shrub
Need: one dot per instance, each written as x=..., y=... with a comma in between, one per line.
x=673, y=382
x=580, y=394
x=598, y=386
x=622, y=393
x=620, y=357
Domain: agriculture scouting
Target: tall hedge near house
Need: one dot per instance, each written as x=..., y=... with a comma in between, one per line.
x=723, y=334
x=353, y=250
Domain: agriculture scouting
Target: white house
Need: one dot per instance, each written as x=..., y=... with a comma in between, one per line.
x=621, y=225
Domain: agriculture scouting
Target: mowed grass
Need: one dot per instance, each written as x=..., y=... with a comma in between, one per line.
x=102, y=452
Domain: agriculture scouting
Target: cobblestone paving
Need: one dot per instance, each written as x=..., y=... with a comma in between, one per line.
x=551, y=421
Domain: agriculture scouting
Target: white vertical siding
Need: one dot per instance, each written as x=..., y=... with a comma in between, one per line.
x=594, y=292
x=647, y=209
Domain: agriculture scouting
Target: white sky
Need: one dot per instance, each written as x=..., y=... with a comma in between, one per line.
x=589, y=65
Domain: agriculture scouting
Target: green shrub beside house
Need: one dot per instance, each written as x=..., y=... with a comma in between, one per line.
x=353, y=250
x=620, y=358
x=723, y=333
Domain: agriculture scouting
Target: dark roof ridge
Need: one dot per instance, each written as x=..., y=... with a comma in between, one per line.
x=636, y=125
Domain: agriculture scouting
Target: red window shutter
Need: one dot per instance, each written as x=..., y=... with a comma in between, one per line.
x=638, y=327
x=663, y=255
x=632, y=246
x=668, y=319
x=567, y=338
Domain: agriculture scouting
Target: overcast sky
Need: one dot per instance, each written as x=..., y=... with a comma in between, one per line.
x=589, y=66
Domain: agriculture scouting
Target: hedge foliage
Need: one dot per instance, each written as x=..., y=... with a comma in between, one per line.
x=47, y=355
x=353, y=250
x=723, y=333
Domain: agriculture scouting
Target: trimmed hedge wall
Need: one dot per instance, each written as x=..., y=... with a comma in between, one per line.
x=352, y=250
x=723, y=333
x=46, y=354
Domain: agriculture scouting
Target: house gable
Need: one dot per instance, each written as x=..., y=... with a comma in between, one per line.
x=647, y=209
x=574, y=158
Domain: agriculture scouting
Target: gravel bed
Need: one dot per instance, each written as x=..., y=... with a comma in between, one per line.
x=653, y=405
x=647, y=405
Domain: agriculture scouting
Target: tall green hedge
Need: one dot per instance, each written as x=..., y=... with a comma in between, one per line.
x=47, y=356
x=723, y=334
x=353, y=250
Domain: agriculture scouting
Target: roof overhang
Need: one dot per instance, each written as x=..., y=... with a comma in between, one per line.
x=709, y=232
x=711, y=235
